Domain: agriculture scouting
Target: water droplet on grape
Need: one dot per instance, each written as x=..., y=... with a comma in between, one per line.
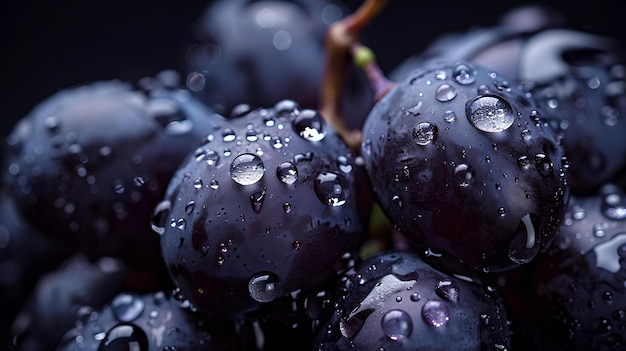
x=525, y=244
x=445, y=92
x=464, y=175
x=396, y=324
x=287, y=172
x=125, y=337
x=436, y=313
x=448, y=290
x=330, y=188
x=424, y=133
x=127, y=307
x=463, y=74
x=159, y=217
x=310, y=125
x=449, y=116
x=264, y=287
x=247, y=169
x=256, y=200
x=490, y=113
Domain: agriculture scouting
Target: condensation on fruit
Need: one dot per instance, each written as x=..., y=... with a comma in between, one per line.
x=490, y=113
x=247, y=169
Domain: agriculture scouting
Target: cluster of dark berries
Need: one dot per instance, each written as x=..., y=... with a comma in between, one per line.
x=278, y=191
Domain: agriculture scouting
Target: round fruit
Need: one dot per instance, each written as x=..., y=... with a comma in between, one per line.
x=242, y=47
x=267, y=206
x=89, y=164
x=462, y=163
x=395, y=301
x=577, y=298
x=155, y=321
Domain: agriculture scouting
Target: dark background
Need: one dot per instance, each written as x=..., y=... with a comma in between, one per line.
x=47, y=47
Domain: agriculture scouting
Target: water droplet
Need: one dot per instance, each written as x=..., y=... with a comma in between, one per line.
x=464, y=175
x=281, y=40
x=197, y=183
x=463, y=74
x=228, y=134
x=287, y=172
x=256, y=200
x=526, y=134
x=189, y=207
x=159, y=217
x=525, y=244
x=214, y=184
x=424, y=133
x=613, y=206
x=139, y=182
x=448, y=290
x=310, y=125
x=523, y=162
x=436, y=313
x=247, y=169
x=264, y=287
x=344, y=164
x=286, y=108
x=124, y=337
x=449, y=116
x=181, y=223
x=544, y=165
x=490, y=113
x=445, y=93
x=127, y=307
x=396, y=324
x=252, y=135
x=277, y=142
x=196, y=81
x=287, y=207
x=211, y=157
x=417, y=109
x=331, y=189
x=296, y=245
x=415, y=297
x=440, y=75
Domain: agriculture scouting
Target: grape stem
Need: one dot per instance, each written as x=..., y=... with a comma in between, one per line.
x=342, y=40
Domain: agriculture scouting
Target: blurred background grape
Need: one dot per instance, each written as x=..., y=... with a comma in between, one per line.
x=46, y=47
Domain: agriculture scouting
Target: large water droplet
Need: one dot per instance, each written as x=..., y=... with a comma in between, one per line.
x=396, y=324
x=525, y=244
x=127, y=307
x=436, y=313
x=287, y=173
x=331, y=189
x=228, y=134
x=124, y=337
x=490, y=113
x=424, y=133
x=247, y=169
x=310, y=125
x=159, y=217
x=264, y=287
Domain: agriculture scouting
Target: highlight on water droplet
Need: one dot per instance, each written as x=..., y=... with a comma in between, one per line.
x=247, y=169
x=490, y=113
x=464, y=175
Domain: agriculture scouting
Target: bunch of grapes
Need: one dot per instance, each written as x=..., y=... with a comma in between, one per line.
x=279, y=189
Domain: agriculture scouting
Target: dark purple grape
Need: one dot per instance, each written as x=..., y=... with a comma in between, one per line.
x=88, y=164
x=577, y=77
x=395, y=301
x=77, y=285
x=243, y=46
x=155, y=321
x=462, y=163
x=25, y=256
x=267, y=206
x=574, y=295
